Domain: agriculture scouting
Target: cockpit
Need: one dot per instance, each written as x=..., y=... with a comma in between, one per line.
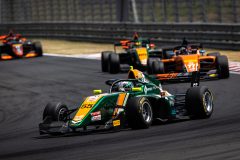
x=124, y=85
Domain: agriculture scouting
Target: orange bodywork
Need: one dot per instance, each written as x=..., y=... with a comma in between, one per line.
x=121, y=99
x=16, y=48
x=31, y=54
x=8, y=57
x=124, y=44
x=185, y=64
x=166, y=76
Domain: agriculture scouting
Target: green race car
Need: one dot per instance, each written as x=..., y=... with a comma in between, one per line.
x=135, y=102
x=137, y=52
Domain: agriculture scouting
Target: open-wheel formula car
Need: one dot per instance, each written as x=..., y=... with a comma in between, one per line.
x=14, y=46
x=137, y=52
x=185, y=59
x=134, y=103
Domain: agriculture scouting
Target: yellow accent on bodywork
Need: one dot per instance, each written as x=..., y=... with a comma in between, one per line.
x=97, y=91
x=86, y=107
x=116, y=123
x=137, y=89
x=142, y=54
x=212, y=75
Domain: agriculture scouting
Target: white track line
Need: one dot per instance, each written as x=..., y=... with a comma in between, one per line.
x=234, y=67
x=84, y=56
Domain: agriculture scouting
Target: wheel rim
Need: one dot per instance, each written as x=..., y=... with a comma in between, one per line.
x=62, y=115
x=146, y=112
x=208, y=102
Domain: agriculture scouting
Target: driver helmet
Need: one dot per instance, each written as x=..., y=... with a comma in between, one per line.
x=183, y=51
x=124, y=86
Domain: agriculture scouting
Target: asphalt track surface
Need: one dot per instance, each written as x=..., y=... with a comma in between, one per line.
x=27, y=85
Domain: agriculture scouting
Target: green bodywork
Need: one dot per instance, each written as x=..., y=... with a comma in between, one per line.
x=106, y=104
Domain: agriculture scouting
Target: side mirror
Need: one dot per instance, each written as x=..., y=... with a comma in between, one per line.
x=137, y=89
x=97, y=91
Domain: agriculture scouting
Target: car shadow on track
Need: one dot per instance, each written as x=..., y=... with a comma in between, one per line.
x=104, y=131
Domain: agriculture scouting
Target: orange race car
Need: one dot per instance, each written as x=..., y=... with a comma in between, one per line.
x=177, y=64
x=15, y=46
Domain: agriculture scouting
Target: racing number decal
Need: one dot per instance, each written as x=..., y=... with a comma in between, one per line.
x=191, y=67
x=86, y=107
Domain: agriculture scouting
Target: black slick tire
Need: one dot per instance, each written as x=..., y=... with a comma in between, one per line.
x=38, y=48
x=57, y=112
x=139, y=113
x=199, y=102
x=222, y=66
x=114, y=63
x=149, y=64
x=158, y=67
x=104, y=60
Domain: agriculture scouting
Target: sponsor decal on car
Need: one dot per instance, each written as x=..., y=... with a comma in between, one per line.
x=96, y=118
x=96, y=113
x=116, y=123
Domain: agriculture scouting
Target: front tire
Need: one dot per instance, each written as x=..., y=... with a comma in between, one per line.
x=56, y=112
x=114, y=63
x=199, y=102
x=139, y=113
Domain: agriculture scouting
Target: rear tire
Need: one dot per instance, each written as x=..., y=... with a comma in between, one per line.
x=104, y=60
x=158, y=67
x=56, y=112
x=38, y=48
x=199, y=102
x=149, y=64
x=114, y=63
x=139, y=113
x=222, y=66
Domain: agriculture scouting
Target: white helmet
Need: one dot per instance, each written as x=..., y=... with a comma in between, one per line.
x=125, y=86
